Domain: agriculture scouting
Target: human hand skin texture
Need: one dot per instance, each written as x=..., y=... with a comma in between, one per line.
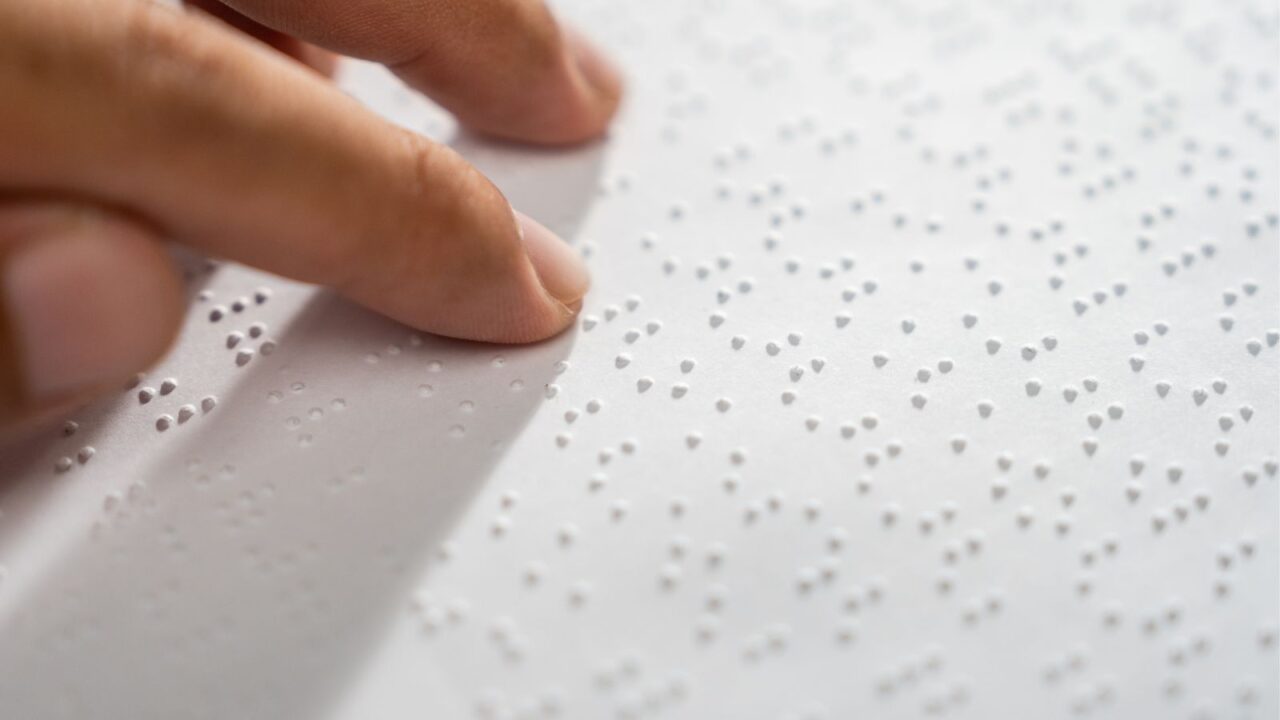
x=216, y=127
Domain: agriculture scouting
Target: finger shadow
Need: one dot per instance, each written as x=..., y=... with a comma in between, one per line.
x=271, y=546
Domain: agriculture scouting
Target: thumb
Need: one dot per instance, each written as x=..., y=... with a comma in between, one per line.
x=87, y=298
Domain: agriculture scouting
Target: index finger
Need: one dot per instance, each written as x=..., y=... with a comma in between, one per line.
x=243, y=154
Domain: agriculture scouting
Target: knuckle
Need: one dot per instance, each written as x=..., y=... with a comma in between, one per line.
x=470, y=223
x=444, y=223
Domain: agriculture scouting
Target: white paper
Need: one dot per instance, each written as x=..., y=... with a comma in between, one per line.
x=929, y=369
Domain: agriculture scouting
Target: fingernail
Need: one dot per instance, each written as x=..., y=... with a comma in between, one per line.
x=560, y=270
x=77, y=320
x=596, y=68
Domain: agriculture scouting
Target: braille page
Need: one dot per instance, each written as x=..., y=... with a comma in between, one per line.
x=930, y=369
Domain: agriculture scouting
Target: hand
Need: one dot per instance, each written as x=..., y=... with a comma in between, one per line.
x=126, y=123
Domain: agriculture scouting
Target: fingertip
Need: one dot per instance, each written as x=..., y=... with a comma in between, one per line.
x=89, y=300
x=559, y=268
x=461, y=262
x=579, y=104
x=552, y=86
x=602, y=78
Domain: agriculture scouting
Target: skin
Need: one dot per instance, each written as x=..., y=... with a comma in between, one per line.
x=133, y=124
